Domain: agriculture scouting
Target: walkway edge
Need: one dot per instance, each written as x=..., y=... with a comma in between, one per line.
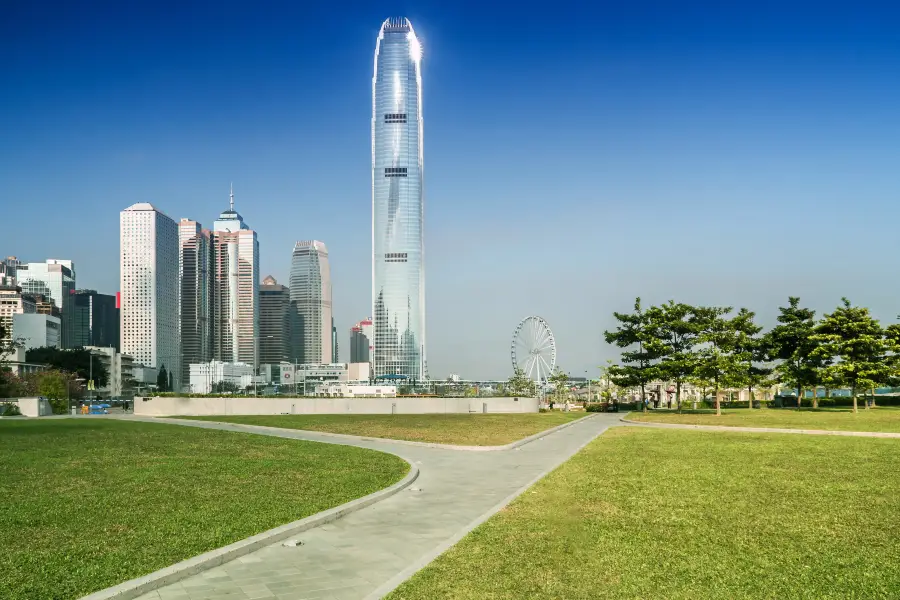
x=874, y=434
x=362, y=438
x=423, y=561
x=136, y=587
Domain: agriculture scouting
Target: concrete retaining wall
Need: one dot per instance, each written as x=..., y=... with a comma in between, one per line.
x=162, y=407
x=35, y=407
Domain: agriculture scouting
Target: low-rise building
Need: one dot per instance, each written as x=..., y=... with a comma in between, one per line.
x=203, y=376
x=16, y=363
x=37, y=330
x=350, y=390
x=360, y=371
x=120, y=372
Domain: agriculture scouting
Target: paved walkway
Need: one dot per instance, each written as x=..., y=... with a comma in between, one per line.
x=875, y=434
x=368, y=553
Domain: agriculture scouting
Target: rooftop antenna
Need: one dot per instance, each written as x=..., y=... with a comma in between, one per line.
x=232, y=196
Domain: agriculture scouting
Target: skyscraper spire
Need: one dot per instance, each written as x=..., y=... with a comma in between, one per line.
x=232, y=196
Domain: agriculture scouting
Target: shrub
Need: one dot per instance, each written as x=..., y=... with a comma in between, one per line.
x=10, y=409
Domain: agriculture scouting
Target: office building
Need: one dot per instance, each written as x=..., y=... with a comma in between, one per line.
x=274, y=322
x=36, y=330
x=205, y=376
x=235, y=289
x=195, y=300
x=96, y=320
x=44, y=305
x=13, y=302
x=361, y=341
x=119, y=369
x=54, y=279
x=334, y=342
x=310, y=287
x=8, y=268
x=149, y=289
x=398, y=275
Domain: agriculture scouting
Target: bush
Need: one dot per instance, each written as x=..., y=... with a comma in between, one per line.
x=10, y=409
x=595, y=407
x=59, y=406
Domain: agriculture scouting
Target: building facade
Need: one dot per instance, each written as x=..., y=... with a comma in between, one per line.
x=96, y=320
x=37, y=330
x=310, y=289
x=149, y=289
x=206, y=375
x=53, y=279
x=274, y=322
x=120, y=372
x=235, y=290
x=361, y=336
x=13, y=302
x=194, y=298
x=398, y=274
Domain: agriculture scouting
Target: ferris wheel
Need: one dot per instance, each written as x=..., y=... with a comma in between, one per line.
x=533, y=349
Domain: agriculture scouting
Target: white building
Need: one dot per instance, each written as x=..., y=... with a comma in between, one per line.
x=205, y=375
x=235, y=289
x=348, y=390
x=310, y=290
x=149, y=288
x=119, y=369
x=54, y=279
x=359, y=371
x=36, y=330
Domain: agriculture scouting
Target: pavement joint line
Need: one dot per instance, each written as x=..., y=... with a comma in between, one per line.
x=874, y=434
x=362, y=438
x=429, y=556
x=139, y=586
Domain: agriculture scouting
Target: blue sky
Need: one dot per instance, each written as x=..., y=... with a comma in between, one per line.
x=575, y=157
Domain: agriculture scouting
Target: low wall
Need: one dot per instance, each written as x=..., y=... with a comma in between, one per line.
x=35, y=407
x=161, y=407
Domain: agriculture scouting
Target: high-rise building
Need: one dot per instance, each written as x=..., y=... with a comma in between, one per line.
x=334, y=342
x=398, y=274
x=13, y=302
x=195, y=301
x=96, y=320
x=54, y=279
x=149, y=289
x=235, y=290
x=310, y=287
x=361, y=341
x=274, y=322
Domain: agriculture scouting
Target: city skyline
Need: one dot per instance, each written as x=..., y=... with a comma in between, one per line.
x=665, y=157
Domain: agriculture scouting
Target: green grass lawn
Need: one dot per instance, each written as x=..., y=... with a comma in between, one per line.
x=463, y=430
x=833, y=419
x=652, y=513
x=87, y=504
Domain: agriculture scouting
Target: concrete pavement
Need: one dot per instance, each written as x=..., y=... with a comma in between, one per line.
x=366, y=554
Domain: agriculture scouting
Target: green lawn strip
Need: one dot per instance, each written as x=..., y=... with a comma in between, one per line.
x=831, y=419
x=463, y=430
x=651, y=513
x=88, y=504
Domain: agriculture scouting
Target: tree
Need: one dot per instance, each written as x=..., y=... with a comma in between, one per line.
x=859, y=344
x=221, y=387
x=678, y=327
x=560, y=381
x=641, y=352
x=77, y=361
x=8, y=345
x=162, y=380
x=520, y=385
x=53, y=384
x=750, y=349
x=717, y=362
x=169, y=385
x=791, y=342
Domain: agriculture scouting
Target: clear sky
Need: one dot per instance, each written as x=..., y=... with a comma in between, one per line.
x=576, y=156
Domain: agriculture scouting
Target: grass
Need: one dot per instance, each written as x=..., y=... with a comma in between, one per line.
x=88, y=504
x=832, y=419
x=651, y=513
x=464, y=430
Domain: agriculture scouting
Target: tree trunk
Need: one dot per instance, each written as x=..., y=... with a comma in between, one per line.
x=853, y=393
x=678, y=395
x=799, y=397
x=718, y=404
x=750, y=397
x=643, y=399
x=815, y=398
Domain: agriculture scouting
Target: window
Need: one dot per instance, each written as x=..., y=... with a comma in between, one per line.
x=395, y=171
x=395, y=257
x=395, y=118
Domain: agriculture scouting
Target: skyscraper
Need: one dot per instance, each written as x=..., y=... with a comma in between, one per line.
x=149, y=288
x=310, y=287
x=274, y=322
x=361, y=342
x=54, y=279
x=235, y=290
x=398, y=274
x=194, y=325
x=96, y=320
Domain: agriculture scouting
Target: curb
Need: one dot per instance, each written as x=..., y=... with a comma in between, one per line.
x=727, y=428
x=423, y=561
x=141, y=585
x=359, y=438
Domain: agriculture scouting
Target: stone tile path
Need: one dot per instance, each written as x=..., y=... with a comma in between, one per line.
x=368, y=553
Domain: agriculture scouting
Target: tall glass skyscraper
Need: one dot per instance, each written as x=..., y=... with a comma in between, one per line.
x=310, y=312
x=398, y=273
